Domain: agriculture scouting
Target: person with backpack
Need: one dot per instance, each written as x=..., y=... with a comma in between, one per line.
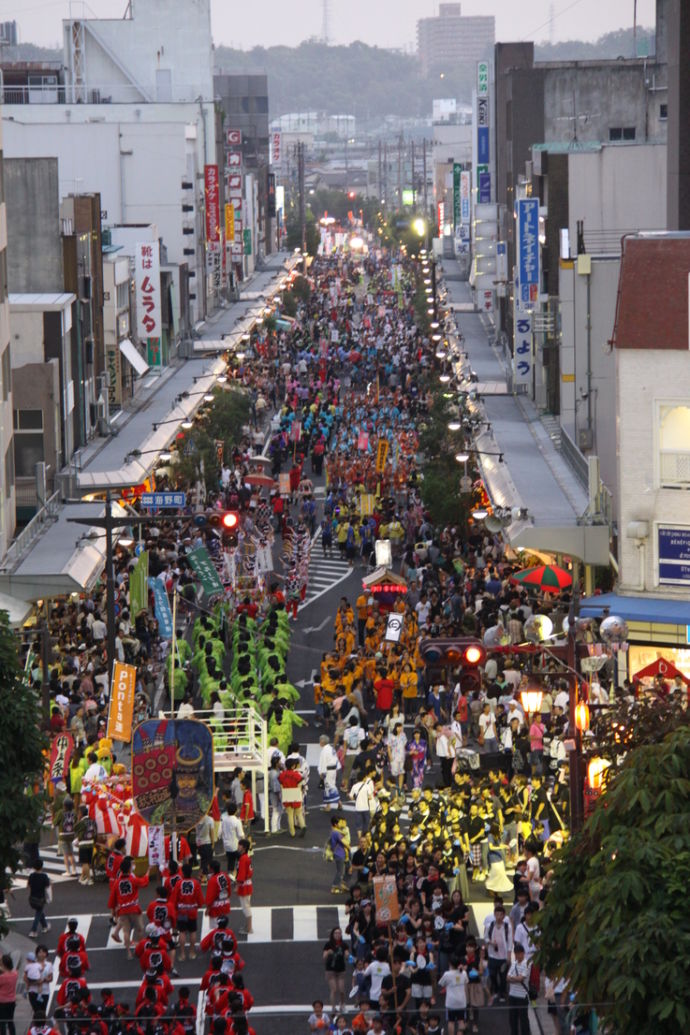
x=352, y=739
x=66, y=822
x=498, y=936
x=363, y=793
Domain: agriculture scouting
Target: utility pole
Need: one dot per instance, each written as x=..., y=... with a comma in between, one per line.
x=385, y=173
x=109, y=522
x=424, y=187
x=379, y=182
x=401, y=141
x=414, y=188
x=302, y=204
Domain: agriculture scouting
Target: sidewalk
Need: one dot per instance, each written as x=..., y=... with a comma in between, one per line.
x=155, y=399
x=17, y=946
x=542, y=481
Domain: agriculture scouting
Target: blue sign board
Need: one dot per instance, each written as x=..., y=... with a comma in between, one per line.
x=484, y=188
x=528, y=249
x=161, y=606
x=482, y=145
x=674, y=556
x=163, y=499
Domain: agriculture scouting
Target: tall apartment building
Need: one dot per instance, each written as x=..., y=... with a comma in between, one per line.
x=451, y=39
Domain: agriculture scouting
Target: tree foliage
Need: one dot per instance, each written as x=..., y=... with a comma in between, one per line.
x=616, y=922
x=22, y=746
x=222, y=423
x=440, y=487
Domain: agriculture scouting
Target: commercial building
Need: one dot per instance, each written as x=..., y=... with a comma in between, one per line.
x=130, y=116
x=652, y=358
x=569, y=106
x=7, y=493
x=451, y=39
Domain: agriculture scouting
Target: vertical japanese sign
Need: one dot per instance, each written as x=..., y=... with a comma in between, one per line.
x=161, y=607
x=203, y=567
x=482, y=79
x=457, y=177
x=527, y=210
x=229, y=224
x=212, y=197
x=381, y=455
x=276, y=148
x=139, y=586
x=147, y=272
x=522, y=346
x=122, y=702
x=465, y=188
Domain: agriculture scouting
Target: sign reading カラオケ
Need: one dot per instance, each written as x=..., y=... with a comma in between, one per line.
x=147, y=271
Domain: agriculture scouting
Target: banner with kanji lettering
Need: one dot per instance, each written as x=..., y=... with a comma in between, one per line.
x=202, y=564
x=147, y=273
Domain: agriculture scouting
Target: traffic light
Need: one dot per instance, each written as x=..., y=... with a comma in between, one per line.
x=462, y=651
x=230, y=524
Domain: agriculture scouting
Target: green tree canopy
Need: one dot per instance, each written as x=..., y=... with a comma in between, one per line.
x=616, y=922
x=21, y=749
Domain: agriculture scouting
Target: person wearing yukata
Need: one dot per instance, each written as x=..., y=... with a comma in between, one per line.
x=328, y=770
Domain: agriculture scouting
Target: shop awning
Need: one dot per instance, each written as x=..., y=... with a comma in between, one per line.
x=133, y=357
x=17, y=610
x=657, y=610
x=67, y=558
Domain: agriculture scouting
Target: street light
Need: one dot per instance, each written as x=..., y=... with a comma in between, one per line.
x=531, y=698
x=461, y=458
x=582, y=716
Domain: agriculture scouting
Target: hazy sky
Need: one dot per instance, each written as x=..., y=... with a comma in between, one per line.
x=387, y=23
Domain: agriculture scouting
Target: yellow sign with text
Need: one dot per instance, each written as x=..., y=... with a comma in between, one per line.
x=381, y=455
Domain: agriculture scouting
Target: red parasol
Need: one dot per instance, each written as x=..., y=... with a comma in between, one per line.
x=263, y=481
x=547, y=577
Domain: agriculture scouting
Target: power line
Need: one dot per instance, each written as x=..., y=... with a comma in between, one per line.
x=550, y=20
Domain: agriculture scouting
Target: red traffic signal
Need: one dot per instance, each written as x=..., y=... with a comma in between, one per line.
x=230, y=525
x=462, y=651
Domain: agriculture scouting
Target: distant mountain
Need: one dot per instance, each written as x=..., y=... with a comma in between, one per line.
x=612, y=45
x=30, y=52
x=360, y=80
x=368, y=82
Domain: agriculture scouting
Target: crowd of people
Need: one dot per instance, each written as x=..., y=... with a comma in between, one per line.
x=455, y=791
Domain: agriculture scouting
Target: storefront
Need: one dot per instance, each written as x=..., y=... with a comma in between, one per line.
x=658, y=629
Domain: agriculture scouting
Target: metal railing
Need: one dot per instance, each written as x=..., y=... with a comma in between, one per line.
x=32, y=531
x=576, y=460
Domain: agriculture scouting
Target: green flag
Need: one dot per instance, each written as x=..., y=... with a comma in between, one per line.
x=203, y=566
x=139, y=586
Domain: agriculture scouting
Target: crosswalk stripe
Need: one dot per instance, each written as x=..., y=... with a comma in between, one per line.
x=53, y=865
x=325, y=572
x=261, y=925
x=304, y=924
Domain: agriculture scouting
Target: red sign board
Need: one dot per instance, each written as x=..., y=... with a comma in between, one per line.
x=233, y=159
x=233, y=138
x=233, y=181
x=212, y=203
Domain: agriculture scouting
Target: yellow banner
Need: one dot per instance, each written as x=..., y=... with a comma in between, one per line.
x=122, y=702
x=381, y=455
x=366, y=504
x=230, y=223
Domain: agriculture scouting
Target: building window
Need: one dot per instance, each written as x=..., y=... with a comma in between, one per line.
x=9, y=471
x=123, y=296
x=6, y=372
x=674, y=445
x=663, y=111
x=617, y=133
x=28, y=441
